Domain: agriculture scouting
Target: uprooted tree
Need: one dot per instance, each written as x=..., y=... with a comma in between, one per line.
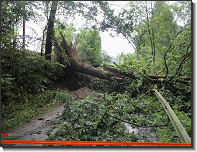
x=75, y=63
x=162, y=47
x=117, y=74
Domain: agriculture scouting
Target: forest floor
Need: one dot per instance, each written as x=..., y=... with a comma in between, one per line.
x=37, y=127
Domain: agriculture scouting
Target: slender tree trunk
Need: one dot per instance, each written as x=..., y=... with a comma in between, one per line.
x=50, y=31
x=24, y=33
x=24, y=18
x=153, y=51
x=14, y=38
x=43, y=36
x=151, y=39
x=147, y=18
x=42, y=45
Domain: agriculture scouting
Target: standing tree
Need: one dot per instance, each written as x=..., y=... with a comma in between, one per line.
x=46, y=4
x=24, y=17
x=106, y=58
x=66, y=8
x=11, y=16
x=154, y=31
x=50, y=31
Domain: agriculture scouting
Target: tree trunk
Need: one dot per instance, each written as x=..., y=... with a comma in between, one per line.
x=80, y=67
x=24, y=18
x=76, y=65
x=24, y=32
x=50, y=32
x=42, y=45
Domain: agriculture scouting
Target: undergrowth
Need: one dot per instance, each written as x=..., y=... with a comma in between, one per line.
x=26, y=83
x=101, y=117
x=32, y=105
x=90, y=120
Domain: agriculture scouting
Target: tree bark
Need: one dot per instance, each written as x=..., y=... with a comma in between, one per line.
x=42, y=45
x=80, y=67
x=50, y=32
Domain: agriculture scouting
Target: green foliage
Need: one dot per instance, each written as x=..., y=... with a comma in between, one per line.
x=11, y=16
x=7, y=86
x=90, y=120
x=182, y=9
x=121, y=23
x=99, y=118
x=177, y=103
x=63, y=96
x=106, y=58
x=185, y=120
x=26, y=77
x=168, y=134
x=145, y=109
x=101, y=85
x=89, y=45
x=157, y=30
x=129, y=62
x=25, y=72
x=30, y=106
x=156, y=34
x=68, y=30
x=181, y=47
x=153, y=34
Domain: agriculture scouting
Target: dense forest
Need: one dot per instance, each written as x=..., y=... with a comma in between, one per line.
x=138, y=89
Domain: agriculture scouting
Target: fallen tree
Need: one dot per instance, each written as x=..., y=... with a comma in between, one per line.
x=76, y=65
x=113, y=74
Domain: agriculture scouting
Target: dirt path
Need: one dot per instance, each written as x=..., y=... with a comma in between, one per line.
x=37, y=127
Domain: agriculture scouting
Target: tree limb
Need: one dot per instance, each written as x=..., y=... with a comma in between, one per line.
x=169, y=49
x=180, y=65
x=137, y=124
x=160, y=71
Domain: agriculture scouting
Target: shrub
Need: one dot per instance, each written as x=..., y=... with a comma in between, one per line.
x=25, y=72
